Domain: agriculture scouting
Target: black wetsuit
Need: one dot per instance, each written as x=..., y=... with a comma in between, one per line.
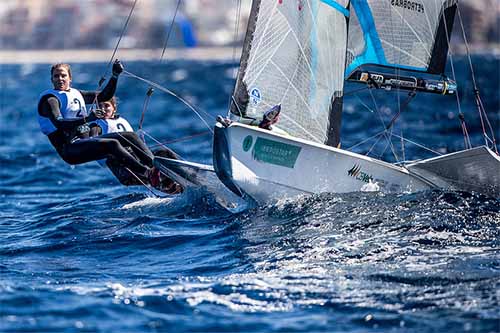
x=76, y=151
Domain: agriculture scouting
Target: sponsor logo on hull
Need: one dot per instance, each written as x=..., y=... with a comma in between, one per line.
x=356, y=173
x=275, y=152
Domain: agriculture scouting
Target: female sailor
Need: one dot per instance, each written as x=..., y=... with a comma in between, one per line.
x=63, y=117
x=115, y=126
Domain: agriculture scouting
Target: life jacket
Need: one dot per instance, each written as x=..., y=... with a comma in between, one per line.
x=113, y=125
x=72, y=105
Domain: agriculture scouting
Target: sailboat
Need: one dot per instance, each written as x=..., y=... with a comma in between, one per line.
x=297, y=56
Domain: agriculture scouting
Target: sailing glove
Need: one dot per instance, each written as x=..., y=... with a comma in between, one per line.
x=117, y=68
x=99, y=113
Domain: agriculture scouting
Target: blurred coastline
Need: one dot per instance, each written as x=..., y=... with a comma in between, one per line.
x=45, y=31
x=199, y=54
x=92, y=55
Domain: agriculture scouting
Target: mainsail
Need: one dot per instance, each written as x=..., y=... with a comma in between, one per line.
x=406, y=34
x=294, y=55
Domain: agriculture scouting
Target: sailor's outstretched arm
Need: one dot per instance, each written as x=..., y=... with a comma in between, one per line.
x=109, y=90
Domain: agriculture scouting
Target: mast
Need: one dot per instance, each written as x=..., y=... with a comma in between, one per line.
x=336, y=107
x=240, y=98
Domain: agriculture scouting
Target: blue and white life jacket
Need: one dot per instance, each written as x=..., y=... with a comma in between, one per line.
x=113, y=125
x=72, y=105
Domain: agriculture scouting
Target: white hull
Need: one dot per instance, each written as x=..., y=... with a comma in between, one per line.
x=194, y=176
x=476, y=169
x=268, y=166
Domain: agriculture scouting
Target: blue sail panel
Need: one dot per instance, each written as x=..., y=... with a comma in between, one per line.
x=337, y=6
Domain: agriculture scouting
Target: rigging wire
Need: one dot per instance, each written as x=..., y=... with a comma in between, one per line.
x=118, y=42
x=366, y=140
x=170, y=30
x=417, y=144
x=150, y=90
x=158, y=143
x=355, y=91
x=409, y=98
x=379, y=134
x=384, y=150
x=477, y=97
x=103, y=77
x=402, y=143
x=149, y=188
x=143, y=113
x=461, y=116
x=168, y=91
x=375, y=143
x=185, y=138
x=387, y=134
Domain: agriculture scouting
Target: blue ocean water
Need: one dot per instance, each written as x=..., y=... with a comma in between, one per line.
x=79, y=252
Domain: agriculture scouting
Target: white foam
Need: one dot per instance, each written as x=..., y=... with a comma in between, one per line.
x=147, y=202
x=370, y=187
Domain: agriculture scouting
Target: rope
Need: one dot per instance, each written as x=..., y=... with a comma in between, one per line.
x=145, y=106
x=170, y=30
x=185, y=138
x=417, y=144
x=401, y=108
x=118, y=42
x=143, y=183
x=464, y=130
x=158, y=143
x=168, y=91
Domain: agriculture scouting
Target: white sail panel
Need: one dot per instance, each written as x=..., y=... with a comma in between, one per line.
x=404, y=34
x=296, y=58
